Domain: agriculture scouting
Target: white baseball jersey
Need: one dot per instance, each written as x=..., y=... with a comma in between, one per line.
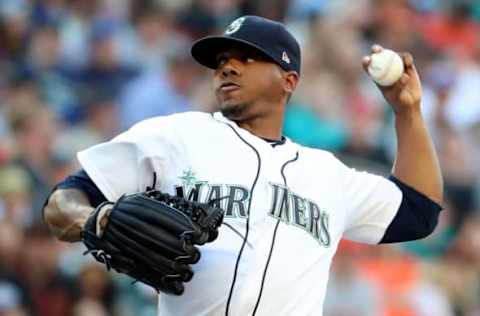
x=292, y=204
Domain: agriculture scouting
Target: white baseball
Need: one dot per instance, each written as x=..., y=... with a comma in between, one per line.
x=386, y=67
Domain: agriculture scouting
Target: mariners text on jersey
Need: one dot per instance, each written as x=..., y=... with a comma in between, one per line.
x=287, y=206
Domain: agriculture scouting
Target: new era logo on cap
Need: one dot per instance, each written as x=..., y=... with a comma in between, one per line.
x=285, y=57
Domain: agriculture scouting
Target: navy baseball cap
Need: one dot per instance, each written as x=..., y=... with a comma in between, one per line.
x=269, y=37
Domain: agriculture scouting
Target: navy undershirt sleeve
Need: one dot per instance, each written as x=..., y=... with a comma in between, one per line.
x=416, y=217
x=81, y=181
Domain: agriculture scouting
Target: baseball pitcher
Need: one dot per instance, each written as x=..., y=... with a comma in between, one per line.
x=223, y=215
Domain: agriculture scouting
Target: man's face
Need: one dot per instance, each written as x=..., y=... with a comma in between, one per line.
x=246, y=82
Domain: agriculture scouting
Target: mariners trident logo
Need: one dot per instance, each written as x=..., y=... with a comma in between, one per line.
x=189, y=179
x=230, y=197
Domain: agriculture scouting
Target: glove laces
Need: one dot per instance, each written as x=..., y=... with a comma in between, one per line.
x=101, y=256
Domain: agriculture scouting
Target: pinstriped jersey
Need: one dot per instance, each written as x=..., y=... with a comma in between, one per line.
x=286, y=209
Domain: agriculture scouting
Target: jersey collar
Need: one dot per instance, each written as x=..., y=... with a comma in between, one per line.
x=274, y=143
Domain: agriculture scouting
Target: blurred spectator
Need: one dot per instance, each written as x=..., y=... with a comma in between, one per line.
x=13, y=29
x=34, y=131
x=208, y=16
x=15, y=190
x=100, y=122
x=393, y=24
x=153, y=37
x=44, y=65
x=304, y=125
x=13, y=300
x=104, y=71
x=450, y=110
x=400, y=282
x=95, y=292
x=10, y=248
x=10, y=300
x=156, y=93
x=48, y=12
x=462, y=108
x=49, y=293
x=306, y=9
x=453, y=32
x=101, y=117
x=75, y=32
x=458, y=274
x=272, y=9
x=349, y=293
x=456, y=163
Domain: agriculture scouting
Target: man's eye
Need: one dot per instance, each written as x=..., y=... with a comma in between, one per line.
x=221, y=61
x=247, y=59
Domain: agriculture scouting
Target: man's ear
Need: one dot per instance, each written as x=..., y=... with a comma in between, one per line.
x=290, y=81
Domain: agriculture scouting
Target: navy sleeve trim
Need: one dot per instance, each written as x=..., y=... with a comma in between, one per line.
x=81, y=181
x=416, y=217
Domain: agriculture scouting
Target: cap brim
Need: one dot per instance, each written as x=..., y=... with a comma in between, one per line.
x=205, y=50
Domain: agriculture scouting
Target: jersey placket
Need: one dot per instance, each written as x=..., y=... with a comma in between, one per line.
x=253, y=262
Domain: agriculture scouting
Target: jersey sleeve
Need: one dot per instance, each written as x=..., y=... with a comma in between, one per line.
x=371, y=202
x=126, y=164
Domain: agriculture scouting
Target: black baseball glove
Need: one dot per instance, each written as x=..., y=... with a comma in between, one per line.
x=152, y=237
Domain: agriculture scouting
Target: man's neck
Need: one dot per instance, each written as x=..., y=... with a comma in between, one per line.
x=268, y=126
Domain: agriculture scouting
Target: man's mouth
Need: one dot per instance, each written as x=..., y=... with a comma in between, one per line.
x=228, y=86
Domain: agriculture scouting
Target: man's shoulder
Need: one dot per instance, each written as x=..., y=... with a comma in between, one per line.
x=181, y=117
x=186, y=121
x=316, y=153
x=320, y=158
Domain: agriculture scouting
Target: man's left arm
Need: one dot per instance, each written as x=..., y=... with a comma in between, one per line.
x=416, y=171
x=416, y=163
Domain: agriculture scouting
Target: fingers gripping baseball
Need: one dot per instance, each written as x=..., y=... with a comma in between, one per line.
x=400, y=85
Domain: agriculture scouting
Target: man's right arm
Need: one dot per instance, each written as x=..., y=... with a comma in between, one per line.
x=66, y=212
x=70, y=204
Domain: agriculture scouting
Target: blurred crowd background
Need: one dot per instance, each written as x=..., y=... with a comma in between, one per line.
x=77, y=72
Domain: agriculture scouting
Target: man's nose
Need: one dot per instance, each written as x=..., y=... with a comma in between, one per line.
x=231, y=67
